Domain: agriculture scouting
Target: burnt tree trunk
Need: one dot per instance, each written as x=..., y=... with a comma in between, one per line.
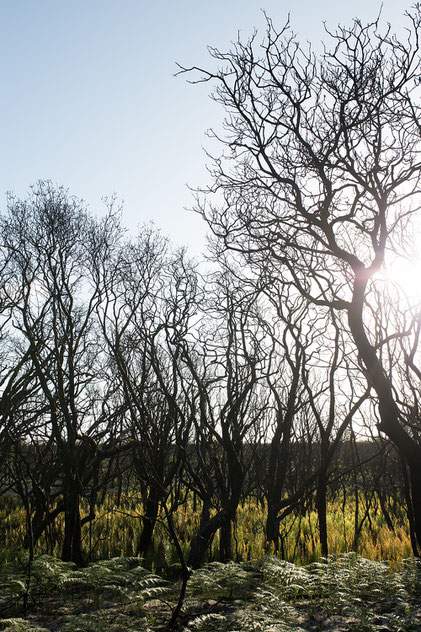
x=321, y=506
x=225, y=548
x=390, y=415
x=148, y=523
x=415, y=476
x=272, y=527
x=72, y=543
x=207, y=529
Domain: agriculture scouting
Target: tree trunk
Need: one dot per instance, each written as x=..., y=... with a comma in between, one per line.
x=389, y=411
x=72, y=544
x=321, y=506
x=186, y=571
x=272, y=526
x=415, y=474
x=148, y=524
x=225, y=549
x=356, y=516
x=207, y=529
x=279, y=458
x=41, y=520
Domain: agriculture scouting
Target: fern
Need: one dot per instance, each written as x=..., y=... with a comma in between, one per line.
x=207, y=623
x=344, y=592
x=19, y=625
x=104, y=620
x=224, y=580
x=50, y=574
x=352, y=593
x=123, y=577
x=13, y=581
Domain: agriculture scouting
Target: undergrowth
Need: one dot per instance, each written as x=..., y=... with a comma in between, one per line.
x=344, y=593
x=52, y=584
x=114, y=533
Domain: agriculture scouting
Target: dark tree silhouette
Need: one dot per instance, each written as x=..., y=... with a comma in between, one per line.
x=225, y=361
x=52, y=244
x=149, y=303
x=322, y=176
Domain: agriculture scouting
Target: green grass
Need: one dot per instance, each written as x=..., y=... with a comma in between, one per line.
x=115, y=531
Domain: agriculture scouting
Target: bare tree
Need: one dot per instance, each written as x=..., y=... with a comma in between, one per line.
x=322, y=175
x=149, y=305
x=52, y=243
x=226, y=364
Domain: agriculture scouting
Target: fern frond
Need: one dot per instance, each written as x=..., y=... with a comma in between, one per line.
x=19, y=625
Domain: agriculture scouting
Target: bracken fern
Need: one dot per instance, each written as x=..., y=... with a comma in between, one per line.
x=20, y=625
x=344, y=592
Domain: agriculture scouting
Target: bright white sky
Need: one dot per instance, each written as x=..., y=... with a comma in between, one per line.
x=89, y=100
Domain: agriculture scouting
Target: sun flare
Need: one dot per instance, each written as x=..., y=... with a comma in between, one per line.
x=405, y=275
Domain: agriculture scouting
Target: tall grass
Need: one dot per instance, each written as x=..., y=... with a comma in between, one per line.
x=115, y=530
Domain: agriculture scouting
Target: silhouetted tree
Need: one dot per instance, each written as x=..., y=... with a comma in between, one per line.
x=51, y=244
x=226, y=365
x=149, y=305
x=322, y=175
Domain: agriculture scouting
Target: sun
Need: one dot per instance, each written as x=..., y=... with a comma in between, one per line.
x=405, y=276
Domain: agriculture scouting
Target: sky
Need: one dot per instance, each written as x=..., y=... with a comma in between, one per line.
x=89, y=99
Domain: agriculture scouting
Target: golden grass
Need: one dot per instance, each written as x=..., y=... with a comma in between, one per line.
x=116, y=529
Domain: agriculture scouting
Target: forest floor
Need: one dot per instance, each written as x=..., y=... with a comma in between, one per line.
x=341, y=594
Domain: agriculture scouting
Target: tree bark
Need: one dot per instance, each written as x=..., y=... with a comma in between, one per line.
x=225, y=548
x=72, y=543
x=272, y=526
x=207, y=529
x=321, y=506
x=148, y=524
x=415, y=475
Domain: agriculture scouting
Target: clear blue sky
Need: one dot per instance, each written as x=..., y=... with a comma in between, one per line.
x=89, y=100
